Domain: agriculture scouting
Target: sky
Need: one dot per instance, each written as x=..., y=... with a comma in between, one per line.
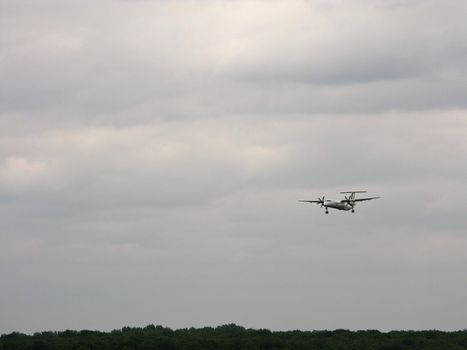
x=152, y=155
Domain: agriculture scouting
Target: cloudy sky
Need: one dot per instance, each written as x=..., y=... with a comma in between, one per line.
x=152, y=154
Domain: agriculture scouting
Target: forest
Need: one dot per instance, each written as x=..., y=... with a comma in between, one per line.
x=233, y=337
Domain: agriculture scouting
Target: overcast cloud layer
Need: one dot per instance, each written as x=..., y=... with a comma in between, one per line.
x=152, y=154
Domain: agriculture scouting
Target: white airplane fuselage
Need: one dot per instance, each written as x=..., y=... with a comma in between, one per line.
x=341, y=205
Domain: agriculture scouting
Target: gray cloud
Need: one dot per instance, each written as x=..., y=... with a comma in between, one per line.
x=126, y=68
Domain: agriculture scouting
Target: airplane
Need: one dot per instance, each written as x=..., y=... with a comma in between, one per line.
x=345, y=204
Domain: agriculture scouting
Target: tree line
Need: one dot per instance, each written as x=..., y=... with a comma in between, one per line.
x=233, y=337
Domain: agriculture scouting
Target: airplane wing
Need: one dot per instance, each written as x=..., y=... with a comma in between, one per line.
x=303, y=200
x=365, y=199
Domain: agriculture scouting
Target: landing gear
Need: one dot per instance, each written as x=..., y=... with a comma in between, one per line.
x=327, y=211
x=353, y=210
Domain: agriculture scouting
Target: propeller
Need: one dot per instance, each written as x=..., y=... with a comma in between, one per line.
x=349, y=201
x=321, y=201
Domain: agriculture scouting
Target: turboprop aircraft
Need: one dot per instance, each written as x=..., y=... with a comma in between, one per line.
x=345, y=204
